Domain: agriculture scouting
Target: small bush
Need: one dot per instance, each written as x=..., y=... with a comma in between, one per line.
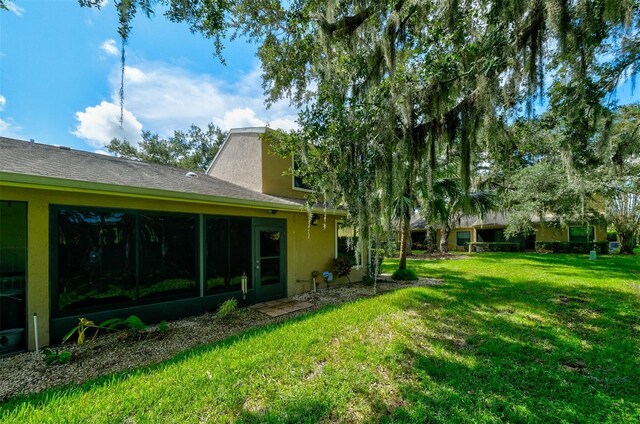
x=50, y=357
x=404, y=275
x=227, y=308
x=601, y=247
x=368, y=279
x=342, y=267
x=163, y=327
x=494, y=247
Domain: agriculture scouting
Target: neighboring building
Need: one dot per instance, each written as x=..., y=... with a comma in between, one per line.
x=89, y=235
x=491, y=229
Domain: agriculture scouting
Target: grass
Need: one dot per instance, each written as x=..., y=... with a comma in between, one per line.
x=508, y=337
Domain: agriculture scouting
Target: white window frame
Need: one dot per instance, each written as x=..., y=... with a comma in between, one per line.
x=293, y=179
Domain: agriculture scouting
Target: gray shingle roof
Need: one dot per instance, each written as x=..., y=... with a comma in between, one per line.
x=29, y=158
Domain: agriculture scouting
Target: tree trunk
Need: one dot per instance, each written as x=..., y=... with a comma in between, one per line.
x=429, y=245
x=444, y=238
x=405, y=240
x=627, y=242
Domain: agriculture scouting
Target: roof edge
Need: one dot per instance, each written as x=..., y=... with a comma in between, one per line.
x=61, y=184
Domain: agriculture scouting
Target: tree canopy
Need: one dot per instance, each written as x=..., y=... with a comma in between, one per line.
x=387, y=87
x=193, y=149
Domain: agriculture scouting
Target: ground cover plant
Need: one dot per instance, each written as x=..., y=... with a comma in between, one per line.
x=507, y=337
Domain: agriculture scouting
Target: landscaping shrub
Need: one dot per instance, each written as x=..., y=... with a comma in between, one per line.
x=342, y=267
x=601, y=247
x=85, y=326
x=368, y=279
x=404, y=275
x=51, y=357
x=227, y=307
x=482, y=246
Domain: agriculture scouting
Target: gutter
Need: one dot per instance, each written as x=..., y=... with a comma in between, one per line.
x=10, y=179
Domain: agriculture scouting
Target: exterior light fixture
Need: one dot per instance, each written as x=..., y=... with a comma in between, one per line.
x=314, y=219
x=272, y=211
x=243, y=283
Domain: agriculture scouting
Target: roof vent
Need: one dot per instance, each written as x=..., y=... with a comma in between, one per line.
x=64, y=147
x=190, y=174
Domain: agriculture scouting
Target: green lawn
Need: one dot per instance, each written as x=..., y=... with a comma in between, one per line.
x=508, y=337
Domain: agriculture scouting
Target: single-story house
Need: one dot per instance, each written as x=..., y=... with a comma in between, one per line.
x=491, y=228
x=95, y=236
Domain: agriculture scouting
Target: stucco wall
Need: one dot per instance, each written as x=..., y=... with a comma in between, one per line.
x=307, y=249
x=273, y=179
x=543, y=233
x=240, y=161
x=547, y=233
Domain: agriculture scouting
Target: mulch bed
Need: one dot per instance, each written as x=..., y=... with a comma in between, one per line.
x=27, y=373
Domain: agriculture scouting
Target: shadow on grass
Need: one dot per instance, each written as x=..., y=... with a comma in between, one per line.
x=479, y=348
x=507, y=352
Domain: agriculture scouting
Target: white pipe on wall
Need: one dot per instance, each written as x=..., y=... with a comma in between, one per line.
x=35, y=331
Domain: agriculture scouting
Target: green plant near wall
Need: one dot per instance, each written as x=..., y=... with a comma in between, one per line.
x=342, y=267
x=51, y=357
x=227, y=308
x=132, y=323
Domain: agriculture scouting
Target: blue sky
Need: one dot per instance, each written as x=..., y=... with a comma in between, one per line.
x=59, y=78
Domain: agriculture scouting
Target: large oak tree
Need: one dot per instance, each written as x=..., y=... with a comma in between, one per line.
x=386, y=86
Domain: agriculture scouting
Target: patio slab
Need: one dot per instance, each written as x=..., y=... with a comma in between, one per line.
x=276, y=308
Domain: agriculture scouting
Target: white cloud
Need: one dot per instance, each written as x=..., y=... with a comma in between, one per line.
x=99, y=124
x=166, y=98
x=110, y=48
x=3, y=102
x=239, y=118
x=102, y=152
x=134, y=75
x=12, y=7
x=4, y=126
x=8, y=128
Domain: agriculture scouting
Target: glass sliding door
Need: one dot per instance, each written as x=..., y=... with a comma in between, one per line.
x=228, y=254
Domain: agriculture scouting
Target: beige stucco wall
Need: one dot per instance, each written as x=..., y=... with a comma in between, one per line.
x=274, y=180
x=307, y=249
x=543, y=233
x=240, y=161
x=547, y=233
x=451, y=241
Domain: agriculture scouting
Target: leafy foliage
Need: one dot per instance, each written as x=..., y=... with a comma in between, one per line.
x=227, y=308
x=571, y=247
x=193, y=150
x=163, y=326
x=388, y=87
x=342, y=267
x=131, y=323
x=494, y=247
x=404, y=274
x=51, y=357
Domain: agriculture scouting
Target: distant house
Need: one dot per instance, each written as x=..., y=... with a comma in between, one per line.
x=89, y=235
x=491, y=229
